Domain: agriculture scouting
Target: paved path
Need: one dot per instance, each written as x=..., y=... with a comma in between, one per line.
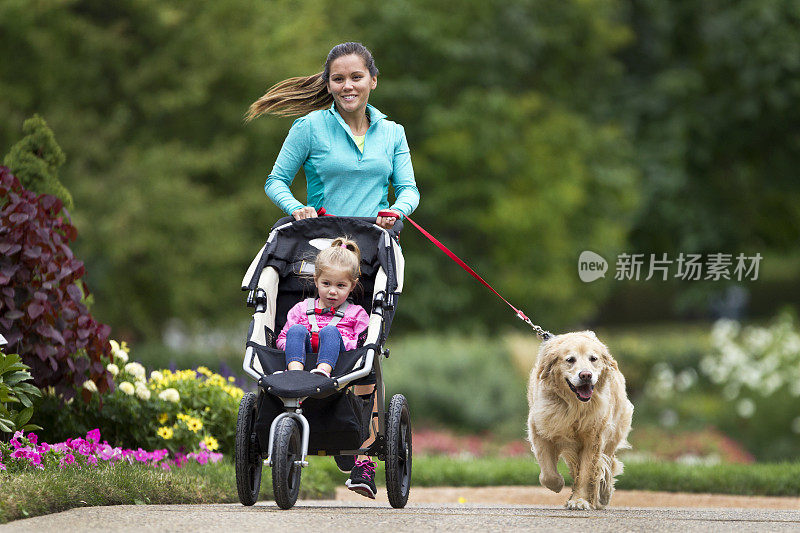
x=376, y=516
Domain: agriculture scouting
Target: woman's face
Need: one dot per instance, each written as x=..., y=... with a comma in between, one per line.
x=350, y=83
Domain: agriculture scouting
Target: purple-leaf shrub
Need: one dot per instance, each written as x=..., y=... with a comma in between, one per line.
x=42, y=314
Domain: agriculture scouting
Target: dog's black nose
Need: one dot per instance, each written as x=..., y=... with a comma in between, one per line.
x=585, y=376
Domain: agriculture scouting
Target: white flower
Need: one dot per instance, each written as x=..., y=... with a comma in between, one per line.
x=746, y=407
x=686, y=379
x=127, y=388
x=155, y=375
x=136, y=370
x=112, y=369
x=143, y=393
x=90, y=385
x=114, y=345
x=121, y=355
x=796, y=425
x=170, y=395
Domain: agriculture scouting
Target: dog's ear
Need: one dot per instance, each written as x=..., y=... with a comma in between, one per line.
x=548, y=360
x=607, y=359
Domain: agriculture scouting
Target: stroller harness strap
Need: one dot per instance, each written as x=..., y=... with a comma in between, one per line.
x=544, y=335
x=311, y=312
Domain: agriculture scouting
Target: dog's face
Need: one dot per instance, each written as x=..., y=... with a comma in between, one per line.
x=574, y=364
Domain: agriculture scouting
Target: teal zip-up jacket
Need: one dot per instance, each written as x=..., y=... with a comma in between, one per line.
x=338, y=176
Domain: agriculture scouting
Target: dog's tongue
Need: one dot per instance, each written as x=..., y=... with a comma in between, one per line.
x=585, y=391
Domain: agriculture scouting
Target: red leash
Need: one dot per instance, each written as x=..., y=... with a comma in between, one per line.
x=539, y=331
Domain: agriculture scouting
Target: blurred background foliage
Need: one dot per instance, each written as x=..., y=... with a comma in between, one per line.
x=538, y=129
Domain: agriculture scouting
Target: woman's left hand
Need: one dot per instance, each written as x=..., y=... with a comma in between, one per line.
x=387, y=222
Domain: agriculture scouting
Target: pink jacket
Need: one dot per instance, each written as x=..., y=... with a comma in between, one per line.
x=352, y=324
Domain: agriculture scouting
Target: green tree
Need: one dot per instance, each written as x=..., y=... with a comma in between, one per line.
x=710, y=93
x=36, y=158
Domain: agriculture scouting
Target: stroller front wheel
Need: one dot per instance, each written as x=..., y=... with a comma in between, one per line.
x=286, y=454
x=398, y=452
x=248, y=461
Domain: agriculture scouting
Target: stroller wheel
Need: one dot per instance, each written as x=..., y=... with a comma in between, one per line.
x=248, y=461
x=285, y=472
x=398, y=451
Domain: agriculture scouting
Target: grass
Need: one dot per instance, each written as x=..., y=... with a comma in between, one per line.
x=30, y=494
x=37, y=493
x=767, y=479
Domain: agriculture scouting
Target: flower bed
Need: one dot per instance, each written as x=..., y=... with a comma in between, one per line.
x=26, y=453
x=175, y=410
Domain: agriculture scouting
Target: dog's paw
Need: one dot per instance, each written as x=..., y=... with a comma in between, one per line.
x=578, y=504
x=554, y=483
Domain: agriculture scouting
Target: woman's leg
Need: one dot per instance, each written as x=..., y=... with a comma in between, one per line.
x=330, y=345
x=298, y=342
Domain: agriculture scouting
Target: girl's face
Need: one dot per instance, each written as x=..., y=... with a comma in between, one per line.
x=350, y=83
x=333, y=286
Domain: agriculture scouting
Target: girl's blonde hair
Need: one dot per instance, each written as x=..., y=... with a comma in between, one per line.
x=303, y=94
x=342, y=255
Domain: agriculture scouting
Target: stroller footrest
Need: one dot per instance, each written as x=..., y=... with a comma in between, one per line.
x=297, y=384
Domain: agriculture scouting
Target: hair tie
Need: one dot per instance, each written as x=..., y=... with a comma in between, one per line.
x=343, y=245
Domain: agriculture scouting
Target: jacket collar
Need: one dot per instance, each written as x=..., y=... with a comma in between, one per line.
x=374, y=117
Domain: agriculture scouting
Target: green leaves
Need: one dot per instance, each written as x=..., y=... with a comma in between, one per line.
x=14, y=391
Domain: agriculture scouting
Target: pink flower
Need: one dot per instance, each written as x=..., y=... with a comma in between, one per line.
x=180, y=460
x=85, y=449
x=140, y=455
x=32, y=438
x=201, y=457
x=108, y=453
x=92, y=460
x=66, y=460
x=93, y=436
x=43, y=447
x=164, y=466
x=2, y=466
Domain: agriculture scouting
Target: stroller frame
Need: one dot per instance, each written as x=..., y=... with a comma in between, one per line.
x=393, y=433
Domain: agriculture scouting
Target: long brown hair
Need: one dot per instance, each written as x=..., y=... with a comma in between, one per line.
x=303, y=94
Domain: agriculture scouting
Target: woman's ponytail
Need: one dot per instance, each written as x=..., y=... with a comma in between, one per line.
x=292, y=97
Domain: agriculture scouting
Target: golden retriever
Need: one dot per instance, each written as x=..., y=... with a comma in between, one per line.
x=578, y=410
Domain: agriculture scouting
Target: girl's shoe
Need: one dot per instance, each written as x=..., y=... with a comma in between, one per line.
x=320, y=372
x=362, y=479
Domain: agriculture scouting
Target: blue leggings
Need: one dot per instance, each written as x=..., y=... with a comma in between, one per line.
x=298, y=344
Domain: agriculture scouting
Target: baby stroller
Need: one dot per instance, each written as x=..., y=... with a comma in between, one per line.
x=296, y=413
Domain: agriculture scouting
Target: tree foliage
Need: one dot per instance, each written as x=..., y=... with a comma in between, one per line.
x=35, y=160
x=538, y=128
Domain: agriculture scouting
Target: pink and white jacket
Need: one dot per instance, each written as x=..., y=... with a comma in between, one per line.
x=352, y=324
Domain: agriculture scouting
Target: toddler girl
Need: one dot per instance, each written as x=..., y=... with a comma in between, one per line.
x=329, y=324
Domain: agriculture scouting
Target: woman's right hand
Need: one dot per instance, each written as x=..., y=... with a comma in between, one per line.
x=304, y=212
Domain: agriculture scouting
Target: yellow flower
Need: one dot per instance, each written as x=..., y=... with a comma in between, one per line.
x=194, y=424
x=207, y=409
x=231, y=379
x=165, y=432
x=205, y=371
x=211, y=443
x=162, y=418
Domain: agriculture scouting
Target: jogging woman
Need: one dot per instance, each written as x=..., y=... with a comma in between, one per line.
x=350, y=154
